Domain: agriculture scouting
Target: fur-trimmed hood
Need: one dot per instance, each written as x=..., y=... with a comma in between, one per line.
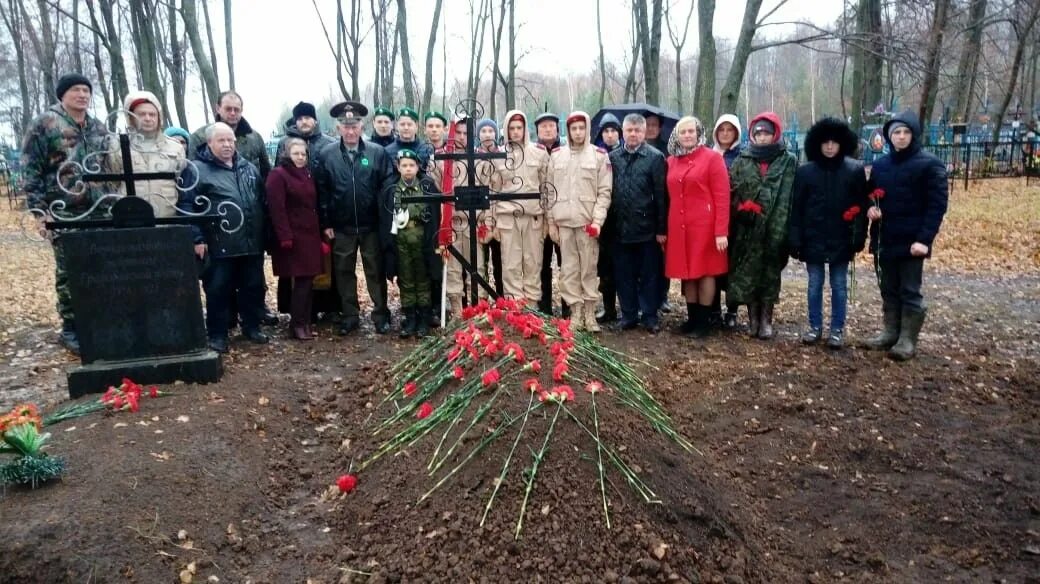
x=830, y=129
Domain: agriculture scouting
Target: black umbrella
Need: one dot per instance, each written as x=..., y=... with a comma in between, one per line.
x=668, y=118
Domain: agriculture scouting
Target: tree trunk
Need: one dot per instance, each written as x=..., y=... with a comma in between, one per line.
x=77, y=53
x=678, y=43
x=631, y=83
x=174, y=61
x=120, y=86
x=380, y=45
x=867, y=65
x=969, y=62
x=731, y=89
x=510, y=81
x=930, y=85
x=430, y=45
x=47, y=42
x=496, y=52
x=602, y=56
x=110, y=101
x=228, y=44
x=12, y=21
x=406, y=56
x=209, y=76
x=704, y=89
x=1023, y=27
x=212, y=46
x=141, y=19
x=478, y=23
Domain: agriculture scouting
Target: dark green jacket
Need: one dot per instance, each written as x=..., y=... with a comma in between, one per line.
x=758, y=250
x=249, y=144
x=53, y=139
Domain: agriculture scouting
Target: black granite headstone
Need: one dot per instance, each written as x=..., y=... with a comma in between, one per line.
x=138, y=310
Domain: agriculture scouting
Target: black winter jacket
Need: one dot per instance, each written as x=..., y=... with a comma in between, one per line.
x=825, y=189
x=915, y=195
x=316, y=141
x=349, y=193
x=241, y=185
x=639, y=200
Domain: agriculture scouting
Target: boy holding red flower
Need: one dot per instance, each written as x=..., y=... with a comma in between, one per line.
x=828, y=221
x=906, y=211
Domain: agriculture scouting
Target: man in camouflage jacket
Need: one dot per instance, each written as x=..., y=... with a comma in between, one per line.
x=64, y=133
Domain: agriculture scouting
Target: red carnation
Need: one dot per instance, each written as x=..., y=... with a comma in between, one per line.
x=458, y=373
x=592, y=230
x=346, y=483
x=326, y=249
x=535, y=366
x=594, y=387
x=153, y=391
x=490, y=377
x=750, y=207
x=516, y=351
x=482, y=232
x=560, y=371
x=564, y=392
x=424, y=411
x=454, y=354
x=533, y=385
x=876, y=195
x=850, y=213
x=410, y=388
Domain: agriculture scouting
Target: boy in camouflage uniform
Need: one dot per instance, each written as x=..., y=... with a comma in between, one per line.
x=411, y=239
x=63, y=133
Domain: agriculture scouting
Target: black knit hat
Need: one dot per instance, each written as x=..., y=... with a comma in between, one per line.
x=304, y=109
x=69, y=80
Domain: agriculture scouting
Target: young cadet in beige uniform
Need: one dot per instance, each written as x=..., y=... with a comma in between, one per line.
x=583, y=179
x=460, y=219
x=520, y=224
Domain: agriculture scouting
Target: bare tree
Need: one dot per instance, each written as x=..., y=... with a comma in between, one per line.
x=602, y=56
x=866, y=60
x=171, y=51
x=1025, y=13
x=206, y=70
x=229, y=45
x=677, y=43
x=77, y=53
x=406, y=56
x=704, y=90
x=648, y=29
x=478, y=26
x=631, y=82
x=212, y=46
x=110, y=40
x=430, y=45
x=968, y=67
x=12, y=20
x=930, y=84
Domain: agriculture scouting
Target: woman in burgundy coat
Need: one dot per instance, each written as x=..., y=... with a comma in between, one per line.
x=292, y=202
x=698, y=221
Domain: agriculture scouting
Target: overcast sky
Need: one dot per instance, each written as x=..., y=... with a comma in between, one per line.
x=281, y=55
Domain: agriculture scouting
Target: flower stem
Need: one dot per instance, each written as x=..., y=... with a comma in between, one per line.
x=534, y=469
x=509, y=457
x=599, y=461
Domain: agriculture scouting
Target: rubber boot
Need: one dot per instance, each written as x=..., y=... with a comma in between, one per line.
x=754, y=313
x=410, y=322
x=701, y=321
x=577, y=316
x=424, y=314
x=889, y=333
x=68, y=338
x=909, y=329
x=765, y=331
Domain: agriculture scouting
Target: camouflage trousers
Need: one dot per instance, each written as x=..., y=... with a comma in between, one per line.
x=413, y=274
x=61, y=282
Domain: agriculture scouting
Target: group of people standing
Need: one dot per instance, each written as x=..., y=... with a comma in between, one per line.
x=629, y=211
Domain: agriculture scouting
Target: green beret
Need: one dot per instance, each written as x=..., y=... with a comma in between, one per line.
x=406, y=153
x=437, y=115
x=407, y=112
x=382, y=111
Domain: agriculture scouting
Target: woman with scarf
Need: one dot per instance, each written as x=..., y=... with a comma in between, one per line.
x=698, y=221
x=761, y=178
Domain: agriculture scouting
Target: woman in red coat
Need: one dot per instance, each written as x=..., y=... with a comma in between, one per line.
x=292, y=202
x=698, y=221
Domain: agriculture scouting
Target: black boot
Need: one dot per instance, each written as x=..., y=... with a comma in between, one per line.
x=691, y=319
x=411, y=317
x=424, y=315
x=701, y=322
x=68, y=337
